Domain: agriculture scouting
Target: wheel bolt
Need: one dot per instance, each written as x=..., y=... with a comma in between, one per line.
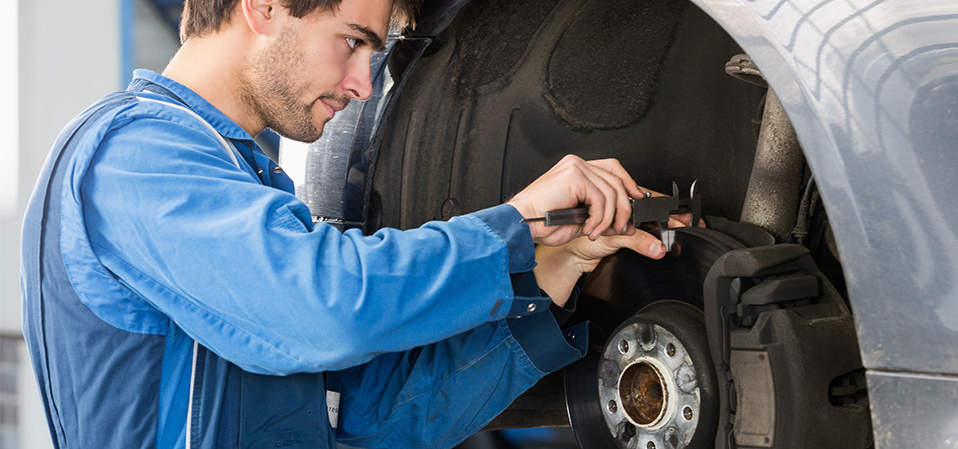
x=687, y=413
x=670, y=349
x=612, y=407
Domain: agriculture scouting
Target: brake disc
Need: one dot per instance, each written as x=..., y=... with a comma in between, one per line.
x=652, y=385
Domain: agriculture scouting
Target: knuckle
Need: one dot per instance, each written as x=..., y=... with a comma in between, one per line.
x=570, y=158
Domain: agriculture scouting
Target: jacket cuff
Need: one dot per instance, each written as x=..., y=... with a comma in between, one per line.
x=548, y=347
x=562, y=314
x=504, y=221
x=527, y=298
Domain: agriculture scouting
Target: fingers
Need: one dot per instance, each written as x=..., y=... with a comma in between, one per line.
x=615, y=175
x=603, y=185
x=650, y=192
x=629, y=230
x=602, y=205
x=623, y=206
x=648, y=245
x=582, y=255
x=640, y=241
x=612, y=166
x=616, y=185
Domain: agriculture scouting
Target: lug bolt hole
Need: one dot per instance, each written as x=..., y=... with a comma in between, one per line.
x=651, y=445
x=670, y=349
x=687, y=413
x=613, y=407
x=623, y=346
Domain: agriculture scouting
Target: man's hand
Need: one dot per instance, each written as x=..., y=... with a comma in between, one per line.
x=603, y=185
x=559, y=267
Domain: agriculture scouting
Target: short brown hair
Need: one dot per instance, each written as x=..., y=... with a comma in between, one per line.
x=201, y=17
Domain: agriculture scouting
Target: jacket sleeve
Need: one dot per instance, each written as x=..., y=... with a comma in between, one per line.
x=241, y=269
x=438, y=395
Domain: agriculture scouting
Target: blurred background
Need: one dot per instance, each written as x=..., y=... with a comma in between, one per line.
x=60, y=56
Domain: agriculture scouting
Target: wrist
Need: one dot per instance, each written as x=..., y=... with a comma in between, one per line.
x=526, y=211
x=557, y=272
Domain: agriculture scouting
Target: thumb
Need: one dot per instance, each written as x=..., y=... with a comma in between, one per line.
x=641, y=242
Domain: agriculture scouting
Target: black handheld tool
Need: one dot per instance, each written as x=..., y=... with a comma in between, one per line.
x=644, y=210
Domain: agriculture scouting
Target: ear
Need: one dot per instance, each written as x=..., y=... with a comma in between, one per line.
x=261, y=15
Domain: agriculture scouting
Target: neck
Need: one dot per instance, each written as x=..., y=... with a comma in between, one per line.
x=212, y=67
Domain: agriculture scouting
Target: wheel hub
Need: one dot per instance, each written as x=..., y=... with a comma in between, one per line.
x=641, y=393
x=652, y=385
x=648, y=382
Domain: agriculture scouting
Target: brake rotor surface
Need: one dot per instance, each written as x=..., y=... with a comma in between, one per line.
x=652, y=385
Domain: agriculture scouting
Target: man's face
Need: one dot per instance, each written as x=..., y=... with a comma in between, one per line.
x=315, y=66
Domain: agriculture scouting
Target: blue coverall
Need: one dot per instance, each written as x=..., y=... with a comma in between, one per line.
x=174, y=297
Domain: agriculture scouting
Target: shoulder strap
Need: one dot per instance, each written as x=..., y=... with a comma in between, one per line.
x=227, y=145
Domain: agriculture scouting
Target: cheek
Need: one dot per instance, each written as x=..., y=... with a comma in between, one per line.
x=328, y=68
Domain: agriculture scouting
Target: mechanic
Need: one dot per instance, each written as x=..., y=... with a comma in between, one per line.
x=177, y=294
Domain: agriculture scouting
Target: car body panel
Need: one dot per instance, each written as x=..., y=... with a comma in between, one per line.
x=871, y=88
x=913, y=410
x=856, y=82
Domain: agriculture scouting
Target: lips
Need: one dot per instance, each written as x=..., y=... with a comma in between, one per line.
x=332, y=104
x=329, y=108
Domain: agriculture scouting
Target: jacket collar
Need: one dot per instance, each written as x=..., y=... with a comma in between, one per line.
x=223, y=124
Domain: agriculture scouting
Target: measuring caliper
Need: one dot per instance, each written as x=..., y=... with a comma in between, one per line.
x=644, y=210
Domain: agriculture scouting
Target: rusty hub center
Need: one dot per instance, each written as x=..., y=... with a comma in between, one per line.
x=642, y=393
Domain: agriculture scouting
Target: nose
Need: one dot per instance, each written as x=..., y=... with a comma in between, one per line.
x=357, y=82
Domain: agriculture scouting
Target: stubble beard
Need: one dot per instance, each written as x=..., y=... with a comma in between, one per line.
x=269, y=93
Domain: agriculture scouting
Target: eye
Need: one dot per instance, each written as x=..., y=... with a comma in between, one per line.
x=352, y=42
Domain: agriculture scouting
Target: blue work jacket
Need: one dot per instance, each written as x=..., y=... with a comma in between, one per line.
x=176, y=294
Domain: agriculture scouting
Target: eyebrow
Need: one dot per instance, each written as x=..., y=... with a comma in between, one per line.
x=375, y=41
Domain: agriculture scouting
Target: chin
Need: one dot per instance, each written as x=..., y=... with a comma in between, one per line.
x=301, y=135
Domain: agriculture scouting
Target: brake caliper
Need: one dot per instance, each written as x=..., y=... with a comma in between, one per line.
x=786, y=353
